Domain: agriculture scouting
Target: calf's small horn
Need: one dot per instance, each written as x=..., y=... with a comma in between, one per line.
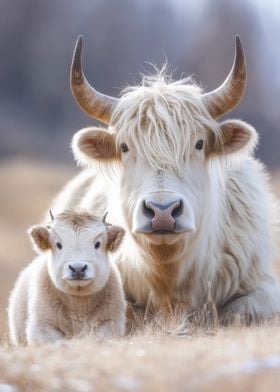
x=92, y=102
x=51, y=215
x=104, y=217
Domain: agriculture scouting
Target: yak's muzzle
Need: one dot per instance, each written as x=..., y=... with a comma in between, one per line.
x=162, y=214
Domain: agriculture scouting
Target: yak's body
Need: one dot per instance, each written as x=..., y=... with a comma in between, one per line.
x=233, y=249
x=196, y=205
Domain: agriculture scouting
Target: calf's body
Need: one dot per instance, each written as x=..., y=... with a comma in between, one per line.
x=40, y=311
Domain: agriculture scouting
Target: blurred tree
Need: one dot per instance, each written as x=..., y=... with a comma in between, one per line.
x=37, y=113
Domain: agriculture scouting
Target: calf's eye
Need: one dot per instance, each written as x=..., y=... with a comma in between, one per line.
x=199, y=144
x=97, y=245
x=58, y=245
x=124, y=147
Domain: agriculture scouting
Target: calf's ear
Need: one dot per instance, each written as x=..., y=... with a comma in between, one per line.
x=236, y=136
x=94, y=144
x=115, y=237
x=40, y=239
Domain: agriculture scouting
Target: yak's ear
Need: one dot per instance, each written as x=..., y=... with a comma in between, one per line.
x=115, y=237
x=94, y=144
x=40, y=238
x=236, y=136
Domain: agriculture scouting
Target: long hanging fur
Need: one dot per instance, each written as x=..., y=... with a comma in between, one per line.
x=233, y=245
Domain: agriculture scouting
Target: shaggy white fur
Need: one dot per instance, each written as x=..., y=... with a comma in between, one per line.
x=225, y=193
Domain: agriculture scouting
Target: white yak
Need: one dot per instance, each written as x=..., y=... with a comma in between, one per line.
x=195, y=203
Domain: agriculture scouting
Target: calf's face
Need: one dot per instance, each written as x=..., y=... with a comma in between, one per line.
x=78, y=262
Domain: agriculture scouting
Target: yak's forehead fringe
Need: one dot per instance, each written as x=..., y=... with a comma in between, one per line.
x=160, y=118
x=77, y=220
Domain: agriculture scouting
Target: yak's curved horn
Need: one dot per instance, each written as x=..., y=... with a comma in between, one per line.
x=93, y=103
x=229, y=94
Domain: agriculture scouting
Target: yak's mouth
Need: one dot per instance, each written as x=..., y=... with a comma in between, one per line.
x=176, y=229
x=163, y=232
x=161, y=237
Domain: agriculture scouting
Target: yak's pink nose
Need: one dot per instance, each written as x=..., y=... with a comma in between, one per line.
x=163, y=216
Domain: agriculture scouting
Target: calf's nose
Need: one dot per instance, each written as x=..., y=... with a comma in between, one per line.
x=78, y=272
x=163, y=216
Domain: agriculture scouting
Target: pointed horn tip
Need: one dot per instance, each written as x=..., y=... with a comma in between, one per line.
x=79, y=44
x=51, y=214
x=240, y=58
x=237, y=39
x=105, y=216
x=238, y=47
x=76, y=66
x=77, y=54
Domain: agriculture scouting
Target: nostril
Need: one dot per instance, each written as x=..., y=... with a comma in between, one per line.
x=84, y=268
x=148, y=211
x=178, y=210
x=72, y=268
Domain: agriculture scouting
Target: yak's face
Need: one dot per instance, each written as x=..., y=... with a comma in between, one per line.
x=163, y=150
x=160, y=202
x=78, y=262
x=164, y=134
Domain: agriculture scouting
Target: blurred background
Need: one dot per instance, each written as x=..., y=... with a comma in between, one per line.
x=38, y=115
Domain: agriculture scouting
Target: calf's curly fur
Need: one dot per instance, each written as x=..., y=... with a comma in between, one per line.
x=47, y=305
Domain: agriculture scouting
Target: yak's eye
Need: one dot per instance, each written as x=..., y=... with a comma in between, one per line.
x=199, y=145
x=97, y=245
x=58, y=245
x=124, y=147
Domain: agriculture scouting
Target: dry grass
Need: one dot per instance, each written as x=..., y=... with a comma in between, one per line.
x=231, y=360
x=201, y=360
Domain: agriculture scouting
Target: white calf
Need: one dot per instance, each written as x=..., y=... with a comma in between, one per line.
x=71, y=289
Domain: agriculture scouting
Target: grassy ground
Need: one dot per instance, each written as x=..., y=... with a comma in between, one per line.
x=232, y=359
